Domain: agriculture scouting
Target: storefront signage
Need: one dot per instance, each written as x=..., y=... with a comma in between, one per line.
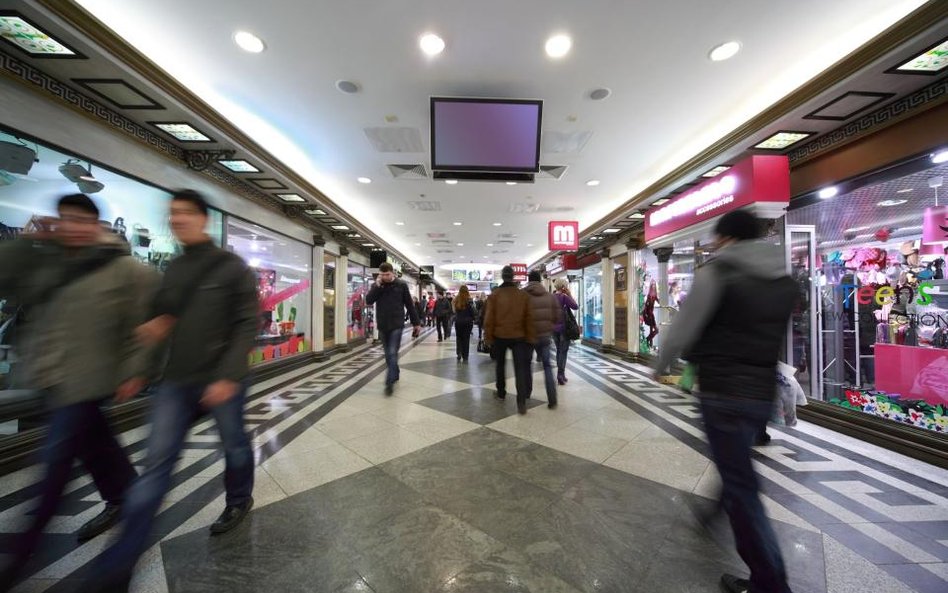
x=520, y=272
x=621, y=279
x=563, y=235
x=286, y=280
x=761, y=178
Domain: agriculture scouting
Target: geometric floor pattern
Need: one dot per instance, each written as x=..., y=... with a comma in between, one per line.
x=442, y=487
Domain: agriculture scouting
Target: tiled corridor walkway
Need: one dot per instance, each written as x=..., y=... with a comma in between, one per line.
x=443, y=488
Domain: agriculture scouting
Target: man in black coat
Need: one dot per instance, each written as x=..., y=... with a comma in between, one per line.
x=391, y=298
x=731, y=327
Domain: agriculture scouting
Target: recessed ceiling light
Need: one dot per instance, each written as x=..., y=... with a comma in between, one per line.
x=904, y=191
x=399, y=223
x=431, y=44
x=340, y=227
x=26, y=36
x=660, y=202
x=498, y=223
x=239, y=166
x=828, y=192
x=460, y=244
x=558, y=46
x=725, y=51
x=511, y=183
x=490, y=244
x=291, y=197
x=611, y=231
x=940, y=157
x=529, y=244
x=782, y=140
x=183, y=132
x=249, y=42
x=315, y=212
x=368, y=244
x=637, y=216
x=417, y=244
x=451, y=181
x=592, y=182
x=716, y=171
x=354, y=236
x=932, y=61
x=884, y=203
x=364, y=180
x=458, y=223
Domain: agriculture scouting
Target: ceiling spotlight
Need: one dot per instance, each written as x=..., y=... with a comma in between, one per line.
x=451, y=181
x=725, y=51
x=885, y=203
x=558, y=46
x=249, y=42
x=460, y=244
x=431, y=44
x=364, y=180
x=940, y=157
x=458, y=223
x=498, y=223
x=904, y=191
x=828, y=192
x=592, y=182
x=511, y=183
x=400, y=223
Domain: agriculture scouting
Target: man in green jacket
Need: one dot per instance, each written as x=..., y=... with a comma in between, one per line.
x=82, y=296
x=207, y=308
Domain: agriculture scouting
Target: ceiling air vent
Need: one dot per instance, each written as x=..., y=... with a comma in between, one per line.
x=445, y=251
x=408, y=172
x=440, y=242
x=555, y=209
x=552, y=171
x=395, y=139
x=507, y=235
x=564, y=142
x=425, y=206
x=523, y=208
x=506, y=241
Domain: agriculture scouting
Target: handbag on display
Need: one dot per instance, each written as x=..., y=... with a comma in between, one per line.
x=570, y=326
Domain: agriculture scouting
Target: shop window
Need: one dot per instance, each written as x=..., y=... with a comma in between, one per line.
x=283, y=271
x=356, y=289
x=592, y=302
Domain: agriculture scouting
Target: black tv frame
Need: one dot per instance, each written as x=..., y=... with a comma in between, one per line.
x=431, y=125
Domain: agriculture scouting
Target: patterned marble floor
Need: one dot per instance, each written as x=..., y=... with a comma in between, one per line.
x=443, y=488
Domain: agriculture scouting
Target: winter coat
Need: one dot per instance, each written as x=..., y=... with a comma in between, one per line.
x=509, y=315
x=391, y=300
x=564, y=301
x=544, y=308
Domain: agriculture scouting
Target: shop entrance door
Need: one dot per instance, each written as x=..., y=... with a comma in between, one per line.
x=804, y=338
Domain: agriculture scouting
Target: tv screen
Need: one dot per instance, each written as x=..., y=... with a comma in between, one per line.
x=485, y=134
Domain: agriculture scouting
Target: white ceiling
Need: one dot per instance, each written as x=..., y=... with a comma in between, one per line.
x=669, y=101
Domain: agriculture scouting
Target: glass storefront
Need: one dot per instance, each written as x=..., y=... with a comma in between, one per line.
x=592, y=302
x=880, y=298
x=283, y=270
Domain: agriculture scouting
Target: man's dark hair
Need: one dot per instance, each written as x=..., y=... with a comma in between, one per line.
x=507, y=274
x=79, y=202
x=192, y=197
x=385, y=267
x=535, y=276
x=740, y=225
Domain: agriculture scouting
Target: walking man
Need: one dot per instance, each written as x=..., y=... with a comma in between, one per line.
x=442, y=312
x=731, y=327
x=207, y=306
x=391, y=298
x=508, y=325
x=546, y=314
x=84, y=296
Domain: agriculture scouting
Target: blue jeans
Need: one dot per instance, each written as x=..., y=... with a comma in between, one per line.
x=562, y=349
x=391, y=343
x=732, y=424
x=544, y=348
x=173, y=409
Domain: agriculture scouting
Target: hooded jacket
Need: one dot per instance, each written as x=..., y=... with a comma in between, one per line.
x=78, y=342
x=734, y=321
x=544, y=308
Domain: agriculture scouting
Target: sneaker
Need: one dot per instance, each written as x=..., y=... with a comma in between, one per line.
x=389, y=388
x=100, y=523
x=733, y=584
x=231, y=517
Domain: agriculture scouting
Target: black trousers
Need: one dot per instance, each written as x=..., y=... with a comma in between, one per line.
x=464, y=331
x=77, y=431
x=522, y=352
x=444, y=327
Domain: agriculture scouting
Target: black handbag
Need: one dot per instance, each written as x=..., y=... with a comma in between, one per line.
x=570, y=326
x=482, y=347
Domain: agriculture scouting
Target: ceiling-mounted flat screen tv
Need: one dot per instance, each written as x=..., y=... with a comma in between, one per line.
x=485, y=134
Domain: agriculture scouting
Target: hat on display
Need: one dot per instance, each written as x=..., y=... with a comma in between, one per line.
x=909, y=247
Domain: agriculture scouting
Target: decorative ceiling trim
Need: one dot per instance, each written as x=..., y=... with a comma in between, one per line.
x=113, y=45
x=872, y=51
x=876, y=99
x=88, y=84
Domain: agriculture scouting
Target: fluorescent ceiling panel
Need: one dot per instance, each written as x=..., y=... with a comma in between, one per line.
x=782, y=140
x=27, y=37
x=183, y=132
x=239, y=166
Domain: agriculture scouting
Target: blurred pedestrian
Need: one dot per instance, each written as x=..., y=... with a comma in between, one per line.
x=464, y=317
x=508, y=325
x=442, y=313
x=561, y=336
x=392, y=298
x=546, y=313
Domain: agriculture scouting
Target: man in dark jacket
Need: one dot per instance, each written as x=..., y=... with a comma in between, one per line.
x=546, y=314
x=442, y=312
x=732, y=326
x=391, y=298
x=85, y=295
x=207, y=307
x=508, y=325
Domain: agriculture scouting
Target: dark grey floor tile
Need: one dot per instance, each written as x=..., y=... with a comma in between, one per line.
x=612, y=492
x=479, y=370
x=545, y=467
x=419, y=550
x=505, y=572
x=478, y=404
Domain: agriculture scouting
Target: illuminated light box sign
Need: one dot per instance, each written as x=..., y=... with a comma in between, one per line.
x=520, y=272
x=564, y=235
x=762, y=178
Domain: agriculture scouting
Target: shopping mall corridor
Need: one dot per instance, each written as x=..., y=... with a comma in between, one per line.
x=441, y=487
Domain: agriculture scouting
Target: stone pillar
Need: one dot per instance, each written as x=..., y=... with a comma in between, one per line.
x=608, y=301
x=661, y=311
x=342, y=298
x=319, y=245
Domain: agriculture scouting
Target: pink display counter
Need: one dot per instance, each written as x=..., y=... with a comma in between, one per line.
x=912, y=372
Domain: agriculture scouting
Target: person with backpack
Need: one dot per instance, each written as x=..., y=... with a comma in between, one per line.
x=464, y=316
x=442, y=313
x=207, y=309
x=731, y=328
x=82, y=296
x=567, y=329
